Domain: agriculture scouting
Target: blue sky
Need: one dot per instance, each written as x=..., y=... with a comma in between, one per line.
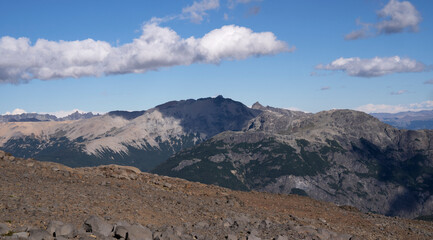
x=370, y=55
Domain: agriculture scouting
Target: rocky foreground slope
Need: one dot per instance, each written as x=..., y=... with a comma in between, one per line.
x=342, y=156
x=41, y=199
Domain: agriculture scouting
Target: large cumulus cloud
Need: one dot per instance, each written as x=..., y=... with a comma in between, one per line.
x=156, y=48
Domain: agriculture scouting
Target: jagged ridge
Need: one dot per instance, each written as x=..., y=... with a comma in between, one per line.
x=343, y=156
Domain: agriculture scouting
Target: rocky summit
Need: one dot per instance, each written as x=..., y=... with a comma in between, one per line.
x=343, y=156
x=44, y=200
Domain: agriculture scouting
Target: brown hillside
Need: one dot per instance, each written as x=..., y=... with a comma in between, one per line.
x=33, y=193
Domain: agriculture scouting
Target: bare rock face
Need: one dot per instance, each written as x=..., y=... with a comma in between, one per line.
x=343, y=156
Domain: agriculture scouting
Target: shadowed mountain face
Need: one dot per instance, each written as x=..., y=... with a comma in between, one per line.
x=407, y=120
x=343, y=156
x=142, y=139
x=209, y=116
x=126, y=114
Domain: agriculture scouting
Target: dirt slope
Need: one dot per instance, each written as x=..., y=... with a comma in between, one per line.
x=33, y=193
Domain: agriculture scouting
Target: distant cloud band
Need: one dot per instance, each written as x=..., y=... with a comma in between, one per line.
x=384, y=108
x=374, y=67
x=156, y=48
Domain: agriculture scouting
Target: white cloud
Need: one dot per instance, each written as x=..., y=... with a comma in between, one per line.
x=16, y=111
x=63, y=113
x=398, y=17
x=48, y=60
x=233, y=3
x=295, y=109
x=395, y=17
x=364, y=32
x=235, y=43
x=429, y=81
x=254, y=10
x=197, y=10
x=325, y=88
x=383, y=108
x=156, y=48
x=357, y=34
x=400, y=92
x=374, y=67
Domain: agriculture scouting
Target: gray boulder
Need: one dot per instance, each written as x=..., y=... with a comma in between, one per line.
x=20, y=235
x=57, y=229
x=97, y=225
x=61, y=238
x=201, y=225
x=121, y=232
x=39, y=234
x=138, y=232
x=52, y=226
x=166, y=235
x=3, y=228
x=126, y=231
x=66, y=230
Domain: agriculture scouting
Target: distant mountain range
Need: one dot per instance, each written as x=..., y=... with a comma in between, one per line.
x=407, y=120
x=402, y=120
x=344, y=156
x=36, y=117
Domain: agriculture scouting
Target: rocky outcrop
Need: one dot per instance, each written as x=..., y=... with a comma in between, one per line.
x=237, y=228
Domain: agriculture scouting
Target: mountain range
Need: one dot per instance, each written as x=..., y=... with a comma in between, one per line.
x=143, y=139
x=37, y=117
x=343, y=156
x=408, y=120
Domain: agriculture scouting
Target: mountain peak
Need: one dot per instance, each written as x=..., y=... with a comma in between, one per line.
x=257, y=105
